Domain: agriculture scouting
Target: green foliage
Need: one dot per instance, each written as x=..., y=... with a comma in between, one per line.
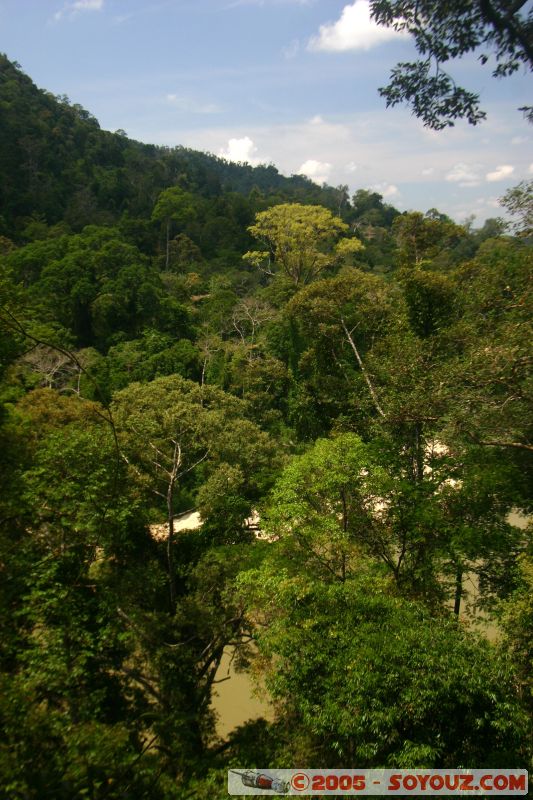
x=376, y=428
x=324, y=503
x=442, y=32
x=97, y=286
x=517, y=622
x=339, y=320
x=362, y=676
x=490, y=372
x=154, y=355
x=174, y=204
x=178, y=437
x=204, y=420
x=68, y=715
x=424, y=521
x=421, y=238
x=519, y=202
x=430, y=300
x=298, y=241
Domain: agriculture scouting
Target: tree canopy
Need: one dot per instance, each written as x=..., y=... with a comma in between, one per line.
x=300, y=241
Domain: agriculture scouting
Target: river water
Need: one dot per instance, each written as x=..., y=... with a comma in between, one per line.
x=236, y=700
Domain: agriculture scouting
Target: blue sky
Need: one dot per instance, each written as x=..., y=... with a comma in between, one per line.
x=292, y=82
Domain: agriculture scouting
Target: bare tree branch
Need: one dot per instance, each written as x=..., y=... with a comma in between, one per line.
x=363, y=369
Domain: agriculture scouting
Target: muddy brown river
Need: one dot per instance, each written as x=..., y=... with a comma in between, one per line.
x=235, y=700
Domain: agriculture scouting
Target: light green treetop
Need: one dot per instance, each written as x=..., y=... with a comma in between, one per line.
x=299, y=241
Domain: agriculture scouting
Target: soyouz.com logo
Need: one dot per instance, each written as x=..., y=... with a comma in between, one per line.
x=480, y=782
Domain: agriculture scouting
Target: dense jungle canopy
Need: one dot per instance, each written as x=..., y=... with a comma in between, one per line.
x=180, y=332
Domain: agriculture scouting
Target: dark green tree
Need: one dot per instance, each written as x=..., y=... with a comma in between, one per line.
x=362, y=676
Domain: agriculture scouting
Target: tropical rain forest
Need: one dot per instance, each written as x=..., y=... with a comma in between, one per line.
x=252, y=429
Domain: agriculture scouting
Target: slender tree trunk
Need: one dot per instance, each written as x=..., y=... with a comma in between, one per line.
x=170, y=547
x=419, y=453
x=363, y=369
x=345, y=531
x=167, y=260
x=458, y=591
x=176, y=463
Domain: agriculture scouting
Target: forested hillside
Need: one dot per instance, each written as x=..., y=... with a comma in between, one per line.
x=178, y=332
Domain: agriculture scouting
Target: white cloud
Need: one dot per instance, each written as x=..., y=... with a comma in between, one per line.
x=464, y=175
x=71, y=9
x=530, y=170
x=317, y=171
x=519, y=140
x=354, y=30
x=501, y=172
x=240, y=150
x=428, y=171
x=386, y=189
x=87, y=5
x=351, y=167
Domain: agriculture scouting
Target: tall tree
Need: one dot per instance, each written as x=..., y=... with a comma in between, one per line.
x=173, y=205
x=299, y=241
x=423, y=237
x=174, y=434
x=343, y=315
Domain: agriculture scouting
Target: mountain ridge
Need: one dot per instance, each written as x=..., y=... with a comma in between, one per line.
x=57, y=163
